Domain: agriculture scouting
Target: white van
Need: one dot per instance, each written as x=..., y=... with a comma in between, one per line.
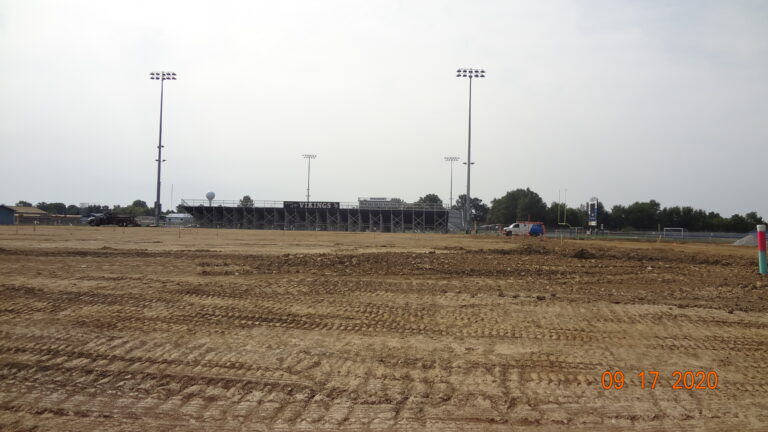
x=525, y=228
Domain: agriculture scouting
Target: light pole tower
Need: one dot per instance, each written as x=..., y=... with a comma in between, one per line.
x=162, y=76
x=309, y=158
x=469, y=73
x=451, y=159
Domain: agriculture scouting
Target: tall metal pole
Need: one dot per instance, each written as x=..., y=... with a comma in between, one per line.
x=468, y=203
x=162, y=77
x=309, y=158
x=469, y=73
x=451, y=159
x=450, y=195
x=309, y=170
x=159, y=157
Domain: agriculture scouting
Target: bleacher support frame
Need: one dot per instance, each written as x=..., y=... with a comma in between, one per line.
x=349, y=217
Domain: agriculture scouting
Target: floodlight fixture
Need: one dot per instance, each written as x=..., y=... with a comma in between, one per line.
x=162, y=75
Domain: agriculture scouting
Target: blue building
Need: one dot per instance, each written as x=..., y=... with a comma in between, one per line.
x=6, y=215
x=10, y=215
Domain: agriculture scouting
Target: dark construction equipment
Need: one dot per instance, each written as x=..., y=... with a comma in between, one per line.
x=108, y=218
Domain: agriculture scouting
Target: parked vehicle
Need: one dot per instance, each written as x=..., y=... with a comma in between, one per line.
x=108, y=218
x=525, y=228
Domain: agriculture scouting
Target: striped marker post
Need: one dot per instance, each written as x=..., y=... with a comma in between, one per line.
x=761, y=249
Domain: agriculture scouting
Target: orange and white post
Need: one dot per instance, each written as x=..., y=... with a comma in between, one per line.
x=761, y=249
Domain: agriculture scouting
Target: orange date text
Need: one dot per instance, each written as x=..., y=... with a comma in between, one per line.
x=680, y=380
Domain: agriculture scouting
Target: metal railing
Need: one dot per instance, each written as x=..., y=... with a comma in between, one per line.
x=582, y=234
x=714, y=237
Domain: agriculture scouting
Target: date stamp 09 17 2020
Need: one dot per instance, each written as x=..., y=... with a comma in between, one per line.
x=687, y=380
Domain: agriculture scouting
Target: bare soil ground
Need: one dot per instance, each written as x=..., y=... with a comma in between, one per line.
x=144, y=329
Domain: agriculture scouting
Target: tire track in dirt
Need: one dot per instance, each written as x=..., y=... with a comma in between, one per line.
x=275, y=310
x=291, y=342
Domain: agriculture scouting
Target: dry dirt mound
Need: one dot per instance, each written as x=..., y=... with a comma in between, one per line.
x=524, y=249
x=583, y=254
x=499, y=262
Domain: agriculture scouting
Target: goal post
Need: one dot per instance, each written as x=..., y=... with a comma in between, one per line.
x=677, y=233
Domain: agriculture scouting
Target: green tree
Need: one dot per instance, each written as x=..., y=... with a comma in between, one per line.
x=753, y=219
x=578, y=216
x=95, y=208
x=519, y=204
x=618, y=217
x=73, y=209
x=137, y=211
x=136, y=208
x=246, y=201
x=479, y=209
x=23, y=204
x=671, y=217
x=58, y=208
x=52, y=208
x=643, y=215
x=131, y=210
x=554, y=210
x=715, y=222
x=430, y=199
x=738, y=223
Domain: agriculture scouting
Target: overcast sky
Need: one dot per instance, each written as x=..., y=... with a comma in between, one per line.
x=623, y=100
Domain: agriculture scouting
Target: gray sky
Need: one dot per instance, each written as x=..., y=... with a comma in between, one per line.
x=623, y=100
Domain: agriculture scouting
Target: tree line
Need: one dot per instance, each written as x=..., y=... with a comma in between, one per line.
x=515, y=205
x=136, y=208
x=525, y=204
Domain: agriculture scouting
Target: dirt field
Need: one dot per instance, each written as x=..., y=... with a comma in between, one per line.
x=146, y=329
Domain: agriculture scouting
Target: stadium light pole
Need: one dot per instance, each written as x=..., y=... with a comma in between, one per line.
x=309, y=158
x=162, y=76
x=469, y=73
x=451, y=159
